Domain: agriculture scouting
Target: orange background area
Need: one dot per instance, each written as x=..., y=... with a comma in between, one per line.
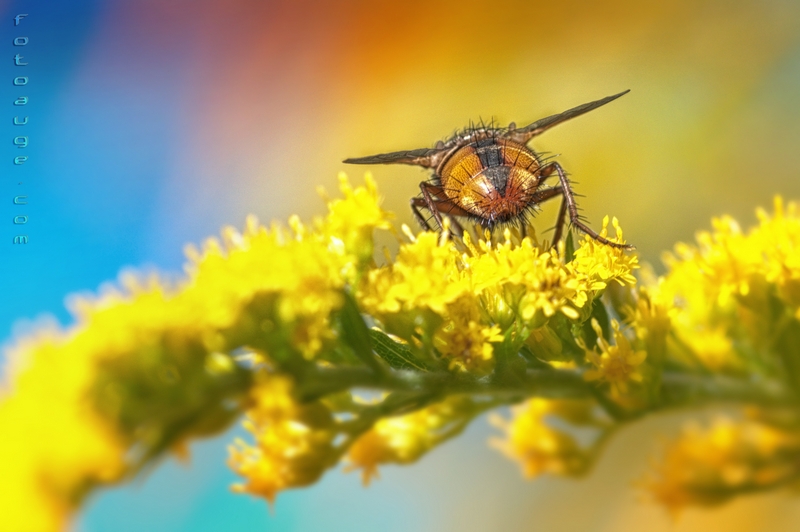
x=281, y=93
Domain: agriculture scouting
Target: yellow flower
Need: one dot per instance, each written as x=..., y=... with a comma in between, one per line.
x=651, y=321
x=151, y=364
x=146, y=365
x=779, y=237
x=727, y=294
x=424, y=275
x=278, y=279
x=404, y=439
x=465, y=342
x=511, y=283
x=55, y=445
x=605, y=263
x=532, y=283
x=270, y=279
x=293, y=442
x=617, y=364
x=352, y=220
x=708, y=467
x=538, y=447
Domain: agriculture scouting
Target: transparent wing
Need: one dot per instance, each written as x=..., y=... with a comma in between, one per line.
x=524, y=134
x=425, y=157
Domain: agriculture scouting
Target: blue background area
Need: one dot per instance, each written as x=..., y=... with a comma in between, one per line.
x=93, y=161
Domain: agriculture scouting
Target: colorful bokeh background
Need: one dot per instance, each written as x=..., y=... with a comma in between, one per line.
x=154, y=123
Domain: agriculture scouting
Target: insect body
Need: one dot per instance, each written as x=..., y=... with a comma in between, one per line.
x=488, y=174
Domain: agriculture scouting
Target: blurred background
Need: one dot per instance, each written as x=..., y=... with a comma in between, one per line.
x=153, y=124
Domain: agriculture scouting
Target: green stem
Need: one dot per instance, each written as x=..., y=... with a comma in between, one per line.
x=544, y=383
x=678, y=388
x=681, y=388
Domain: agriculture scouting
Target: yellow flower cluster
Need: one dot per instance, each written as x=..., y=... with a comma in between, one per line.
x=293, y=442
x=465, y=341
x=618, y=364
x=54, y=446
x=404, y=439
x=467, y=299
x=448, y=328
x=735, y=292
x=708, y=467
x=147, y=366
x=538, y=447
x=651, y=323
x=288, y=281
x=605, y=263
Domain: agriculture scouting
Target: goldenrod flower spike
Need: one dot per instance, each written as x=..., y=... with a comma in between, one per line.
x=281, y=324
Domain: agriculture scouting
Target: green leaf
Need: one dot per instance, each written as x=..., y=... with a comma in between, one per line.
x=563, y=327
x=397, y=355
x=600, y=313
x=355, y=332
x=509, y=349
x=510, y=364
x=585, y=329
x=533, y=361
x=569, y=247
x=788, y=347
x=545, y=344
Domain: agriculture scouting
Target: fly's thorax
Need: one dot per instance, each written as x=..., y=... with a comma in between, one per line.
x=492, y=178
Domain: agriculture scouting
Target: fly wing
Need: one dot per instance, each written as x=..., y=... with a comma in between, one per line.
x=425, y=157
x=524, y=134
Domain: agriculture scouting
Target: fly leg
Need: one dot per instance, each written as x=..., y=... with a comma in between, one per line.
x=568, y=206
x=416, y=203
x=545, y=195
x=428, y=191
x=439, y=207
